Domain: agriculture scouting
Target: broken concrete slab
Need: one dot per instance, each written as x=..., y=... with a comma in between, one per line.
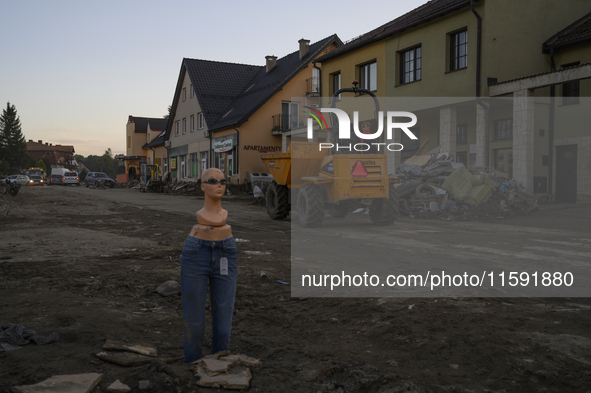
x=241, y=359
x=142, y=349
x=215, y=366
x=235, y=378
x=73, y=383
x=118, y=386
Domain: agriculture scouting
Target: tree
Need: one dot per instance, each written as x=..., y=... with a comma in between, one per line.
x=41, y=164
x=13, y=147
x=167, y=116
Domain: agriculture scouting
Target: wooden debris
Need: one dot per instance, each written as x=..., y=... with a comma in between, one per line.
x=124, y=358
x=113, y=345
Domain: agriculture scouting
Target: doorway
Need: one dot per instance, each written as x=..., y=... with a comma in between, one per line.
x=566, y=174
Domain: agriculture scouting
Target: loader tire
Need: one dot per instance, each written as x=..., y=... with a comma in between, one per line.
x=277, y=201
x=385, y=211
x=310, y=206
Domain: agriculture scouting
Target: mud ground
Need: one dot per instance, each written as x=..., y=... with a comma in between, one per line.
x=85, y=263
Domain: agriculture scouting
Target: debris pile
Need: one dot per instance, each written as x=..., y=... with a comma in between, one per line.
x=435, y=186
x=224, y=370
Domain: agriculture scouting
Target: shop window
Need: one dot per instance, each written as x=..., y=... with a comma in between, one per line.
x=462, y=134
x=503, y=129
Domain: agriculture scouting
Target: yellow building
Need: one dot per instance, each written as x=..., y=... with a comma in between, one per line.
x=455, y=55
x=240, y=111
x=140, y=132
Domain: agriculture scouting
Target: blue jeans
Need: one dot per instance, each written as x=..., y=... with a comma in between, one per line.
x=200, y=264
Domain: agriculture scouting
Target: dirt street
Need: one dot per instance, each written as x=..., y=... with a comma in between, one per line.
x=85, y=264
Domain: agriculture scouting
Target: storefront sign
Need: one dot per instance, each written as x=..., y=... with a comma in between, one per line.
x=262, y=149
x=173, y=163
x=224, y=143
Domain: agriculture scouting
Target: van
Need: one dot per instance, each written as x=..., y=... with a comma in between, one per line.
x=59, y=171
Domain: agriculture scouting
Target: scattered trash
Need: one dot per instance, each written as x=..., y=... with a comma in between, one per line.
x=263, y=274
x=432, y=185
x=238, y=240
x=257, y=192
x=411, y=306
x=13, y=336
x=282, y=282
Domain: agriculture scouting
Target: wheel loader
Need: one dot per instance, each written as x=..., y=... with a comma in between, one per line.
x=320, y=180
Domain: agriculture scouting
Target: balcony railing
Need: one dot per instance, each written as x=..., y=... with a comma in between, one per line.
x=282, y=123
x=313, y=86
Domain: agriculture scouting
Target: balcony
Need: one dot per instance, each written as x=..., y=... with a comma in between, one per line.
x=282, y=123
x=313, y=86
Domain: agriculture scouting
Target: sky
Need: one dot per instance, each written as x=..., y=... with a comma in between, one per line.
x=75, y=70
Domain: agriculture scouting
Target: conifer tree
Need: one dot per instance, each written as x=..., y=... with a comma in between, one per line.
x=13, y=147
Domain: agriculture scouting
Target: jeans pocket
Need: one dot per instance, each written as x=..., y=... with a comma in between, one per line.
x=191, y=246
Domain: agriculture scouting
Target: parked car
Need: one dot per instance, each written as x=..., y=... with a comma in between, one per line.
x=21, y=179
x=56, y=180
x=71, y=178
x=37, y=179
x=95, y=178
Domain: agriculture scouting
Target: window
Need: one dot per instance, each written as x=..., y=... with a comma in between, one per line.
x=128, y=144
x=462, y=134
x=336, y=83
x=410, y=65
x=184, y=93
x=504, y=161
x=290, y=115
x=458, y=47
x=570, y=90
x=183, y=167
x=194, y=165
x=178, y=127
x=503, y=129
x=368, y=76
x=192, y=123
x=191, y=92
x=184, y=125
x=570, y=93
x=204, y=160
x=201, y=122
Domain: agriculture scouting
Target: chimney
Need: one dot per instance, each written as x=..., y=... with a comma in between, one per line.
x=40, y=141
x=30, y=140
x=46, y=143
x=271, y=62
x=304, y=48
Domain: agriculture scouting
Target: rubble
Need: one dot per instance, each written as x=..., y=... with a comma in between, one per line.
x=224, y=370
x=432, y=185
x=74, y=383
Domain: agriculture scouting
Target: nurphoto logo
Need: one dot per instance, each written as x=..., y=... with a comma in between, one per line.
x=345, y=129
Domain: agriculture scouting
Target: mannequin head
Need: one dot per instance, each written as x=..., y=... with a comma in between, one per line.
x=215, y=191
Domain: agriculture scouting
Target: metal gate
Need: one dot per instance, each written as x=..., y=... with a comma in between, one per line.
x=566, y=174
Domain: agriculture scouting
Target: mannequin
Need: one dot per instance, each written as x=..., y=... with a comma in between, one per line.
x=209, y=257
x=212, y=218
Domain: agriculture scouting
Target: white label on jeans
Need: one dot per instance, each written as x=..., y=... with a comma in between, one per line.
x=224, y=266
